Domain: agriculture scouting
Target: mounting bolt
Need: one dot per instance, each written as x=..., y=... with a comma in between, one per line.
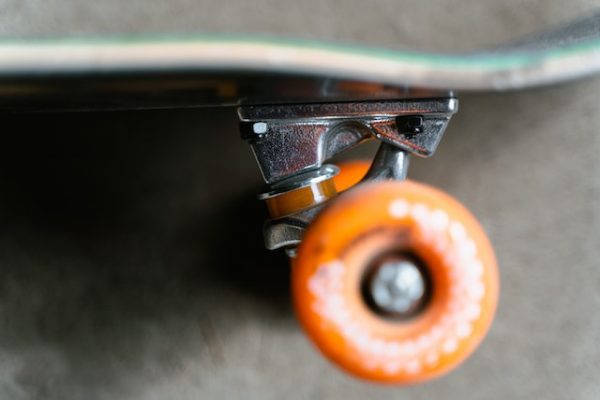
x=253, y=130
x=410, y=124
x=259, y=128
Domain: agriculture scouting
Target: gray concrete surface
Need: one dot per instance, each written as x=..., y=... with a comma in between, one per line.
x=130, y=256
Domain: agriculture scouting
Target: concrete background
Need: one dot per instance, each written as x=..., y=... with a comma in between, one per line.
x=131, y=264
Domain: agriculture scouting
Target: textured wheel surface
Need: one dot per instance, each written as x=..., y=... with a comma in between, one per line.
x=337, y=255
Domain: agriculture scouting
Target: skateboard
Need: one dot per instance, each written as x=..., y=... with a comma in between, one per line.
x=393, y=280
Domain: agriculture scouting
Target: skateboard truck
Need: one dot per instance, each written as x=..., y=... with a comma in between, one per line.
x=394, y=281
x=292, y=142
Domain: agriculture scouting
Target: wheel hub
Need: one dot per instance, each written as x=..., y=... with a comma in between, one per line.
x=397, y=287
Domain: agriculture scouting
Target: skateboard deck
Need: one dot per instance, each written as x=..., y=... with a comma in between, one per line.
x=174, y=71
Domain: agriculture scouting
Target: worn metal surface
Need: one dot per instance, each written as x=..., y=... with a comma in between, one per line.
x=389, y=162
x=292, y=138
x=291, y=142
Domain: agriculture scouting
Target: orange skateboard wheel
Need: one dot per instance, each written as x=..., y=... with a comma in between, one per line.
x=351, y=172
x=366, y=233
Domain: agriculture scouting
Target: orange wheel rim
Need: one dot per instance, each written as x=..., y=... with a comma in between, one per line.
x=331, y=263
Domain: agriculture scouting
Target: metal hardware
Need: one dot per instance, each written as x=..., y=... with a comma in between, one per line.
x=299, y=181
x=301, y=191
x=288, y=139
x=287, y=231
x=390, y=163
x=292, y=141
x=396, y=287
x=410, y=125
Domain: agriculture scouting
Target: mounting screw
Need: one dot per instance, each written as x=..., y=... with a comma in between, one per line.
x=410, y=124
x=254, y=130
x=259, y=128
